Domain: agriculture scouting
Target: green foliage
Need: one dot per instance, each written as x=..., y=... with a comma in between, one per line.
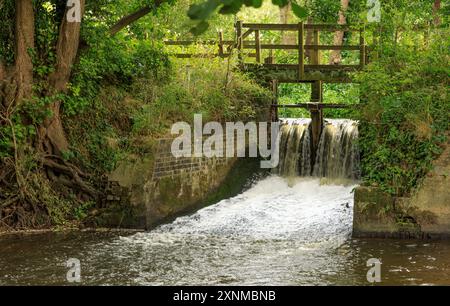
x=203, y=11
x=81, y=212
x=117, y=60
x=14, y=134
x=200, y=87
x=7, y=28
x=406, y=114
x=289, y=93
x=299, y=11
x=97, y=137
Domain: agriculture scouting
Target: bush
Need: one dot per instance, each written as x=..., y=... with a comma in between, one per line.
x=405, y=115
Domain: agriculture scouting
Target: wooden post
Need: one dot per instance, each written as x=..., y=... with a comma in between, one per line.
x=316, y=55
x=301, y=52
x=239, y=40
x=257, y=46
x=316, y=117
x=362, y=49
x=274, y=109
x=269, y=59
x=316, y=91
x=221, y=53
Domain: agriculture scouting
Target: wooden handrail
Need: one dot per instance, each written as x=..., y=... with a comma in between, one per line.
x=313, y=105
x=306, y=47
x=252, y=45
x=294, y=27
x=194, y=42
x=244, y=30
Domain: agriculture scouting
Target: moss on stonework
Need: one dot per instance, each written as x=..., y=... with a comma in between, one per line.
x=237, y=180
x=171, y=195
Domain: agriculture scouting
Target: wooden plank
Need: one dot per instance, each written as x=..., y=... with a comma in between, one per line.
x=199, y=55
x=362, y=52
x=248, y=45
x=331, y=47
x=257, y=47
x=313, y=105
x=189, y=42
x=329, y=80
x=301, y=51
x=331, y=67
x=316, y=91
x=247, y=34
x=294, y=27
x=291, y=76
x=251, y=45
x=312, y=67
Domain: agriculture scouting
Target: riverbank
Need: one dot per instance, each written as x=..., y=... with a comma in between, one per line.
x=424, y=214
x=123, y=124
x=31, y=232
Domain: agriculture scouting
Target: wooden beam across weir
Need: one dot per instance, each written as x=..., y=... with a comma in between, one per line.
x=314, y=105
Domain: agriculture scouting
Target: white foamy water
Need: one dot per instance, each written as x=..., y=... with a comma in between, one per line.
x=265, y=235
x=275, y=208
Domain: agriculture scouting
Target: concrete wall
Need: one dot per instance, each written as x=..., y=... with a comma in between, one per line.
x=426, y=214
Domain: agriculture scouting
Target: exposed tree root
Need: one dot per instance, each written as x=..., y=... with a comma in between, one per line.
x=45, y=188
x=73, y=172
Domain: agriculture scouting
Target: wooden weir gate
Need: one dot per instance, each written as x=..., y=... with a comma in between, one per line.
x=273, y=73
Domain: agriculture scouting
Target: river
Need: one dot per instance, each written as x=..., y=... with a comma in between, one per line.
x=279, y=232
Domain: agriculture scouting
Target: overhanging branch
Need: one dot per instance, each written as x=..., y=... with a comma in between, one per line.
x=129, y=19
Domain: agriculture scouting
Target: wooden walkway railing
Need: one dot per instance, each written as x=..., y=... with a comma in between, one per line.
x=256, y=46
x=265, y=69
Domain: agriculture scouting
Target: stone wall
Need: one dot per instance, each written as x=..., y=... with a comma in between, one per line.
x=181, y=184
x=426, y=214
x=166, y=165
x=144, y=192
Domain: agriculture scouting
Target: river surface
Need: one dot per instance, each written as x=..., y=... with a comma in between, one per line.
x=279, y=232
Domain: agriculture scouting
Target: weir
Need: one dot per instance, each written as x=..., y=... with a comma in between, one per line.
x=307, y=68
x=336, y=156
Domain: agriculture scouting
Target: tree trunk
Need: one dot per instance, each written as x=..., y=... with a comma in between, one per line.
x=436, y=8
x=2, y=71
x=335, y=57
x=127, y=20
x=24, y=36
x=309, y=39
x=52, y=138
x=288, y=38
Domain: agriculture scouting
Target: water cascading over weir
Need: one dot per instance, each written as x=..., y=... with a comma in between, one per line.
x=336, y=156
